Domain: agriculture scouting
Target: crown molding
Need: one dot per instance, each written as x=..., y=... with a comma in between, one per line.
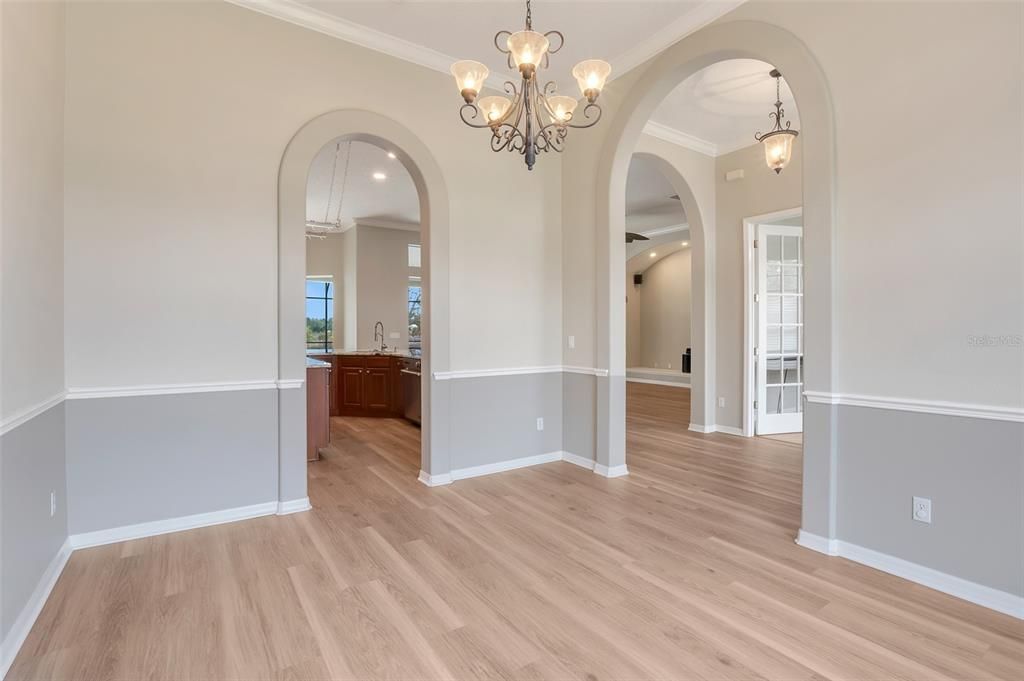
x=695, y=19
x=668, y=229
x=384, y=223
x=357, y=34
x=349, y=31
x=680, y=138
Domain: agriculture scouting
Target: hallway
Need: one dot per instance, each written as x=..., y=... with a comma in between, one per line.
x=684, y=569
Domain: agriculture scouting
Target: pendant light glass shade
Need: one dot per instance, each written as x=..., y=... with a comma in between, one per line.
x=562, y=107
x=590, y=76
x=494, y=108
x=778, y=149
x=528, y=49
x=469, y=77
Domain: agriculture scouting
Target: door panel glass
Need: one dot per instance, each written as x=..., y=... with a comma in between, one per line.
x=790, y=309
x=790, y=399
x=774, y=248
x=791, y=249
x=773, y=401
x=776, y=308
x=790, y=338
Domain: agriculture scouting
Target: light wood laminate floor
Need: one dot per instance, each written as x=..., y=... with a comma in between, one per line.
x=685, y=569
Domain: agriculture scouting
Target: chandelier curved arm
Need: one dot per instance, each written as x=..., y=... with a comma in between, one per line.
x=508, y=138
x=475, y=114
x=561, y=41
x=590, y=118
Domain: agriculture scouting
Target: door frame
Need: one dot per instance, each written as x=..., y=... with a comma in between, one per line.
x=750, y=307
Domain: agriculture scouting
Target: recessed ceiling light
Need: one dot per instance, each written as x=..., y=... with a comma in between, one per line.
x=391, y=155
x=379, y=176
x=653, y=254
x=686, y=243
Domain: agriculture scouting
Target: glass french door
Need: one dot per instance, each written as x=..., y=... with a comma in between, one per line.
x=780, y=315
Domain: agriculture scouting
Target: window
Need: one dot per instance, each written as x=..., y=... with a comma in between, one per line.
x=415, y=316
x=414, y=255
x=319, y=315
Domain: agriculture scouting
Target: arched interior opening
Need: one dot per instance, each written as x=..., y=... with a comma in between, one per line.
x=349, y=128
x=733, y=40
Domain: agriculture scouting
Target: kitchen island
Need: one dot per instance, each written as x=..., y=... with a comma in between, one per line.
x=368, y=383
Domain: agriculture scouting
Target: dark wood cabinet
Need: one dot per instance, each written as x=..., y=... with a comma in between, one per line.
x=365, y=385
x=350, y=389
x=377, y=389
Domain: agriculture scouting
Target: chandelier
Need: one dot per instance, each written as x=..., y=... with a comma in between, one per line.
x=778, y=142
x=532, y=118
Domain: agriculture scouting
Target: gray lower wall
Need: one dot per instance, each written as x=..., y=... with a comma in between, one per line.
x=579, y=394
x=494, y=418
x=139, y=459
x=31, y=466
x=971, y=469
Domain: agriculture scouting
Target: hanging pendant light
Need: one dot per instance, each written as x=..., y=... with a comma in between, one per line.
x=778, y=142
x=532, y=118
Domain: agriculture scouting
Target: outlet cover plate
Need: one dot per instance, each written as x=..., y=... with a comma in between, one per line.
x=922, y=511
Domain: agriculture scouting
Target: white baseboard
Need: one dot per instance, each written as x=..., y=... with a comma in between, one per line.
x=435, y=480
x=611, y=472
x=293, y=506
x=985, y=596
x=577, y=460
x=814, y=542
x=727, y=430
x=12, y=643
x=156, y=527
x=501, y=466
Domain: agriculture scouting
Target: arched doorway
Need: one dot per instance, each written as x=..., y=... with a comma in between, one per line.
x=731, y=40
x=375, y=129
x=702, y=370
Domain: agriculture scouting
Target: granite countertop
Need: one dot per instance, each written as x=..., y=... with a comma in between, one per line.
x=360, y=353
x=316, y=364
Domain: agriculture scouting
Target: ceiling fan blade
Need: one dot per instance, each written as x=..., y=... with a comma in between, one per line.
x=633, y=236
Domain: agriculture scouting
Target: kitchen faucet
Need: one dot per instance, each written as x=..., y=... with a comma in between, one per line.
x=378, y=332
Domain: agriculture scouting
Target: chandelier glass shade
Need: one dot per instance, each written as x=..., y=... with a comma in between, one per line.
x=778, y=142
x=531, y=118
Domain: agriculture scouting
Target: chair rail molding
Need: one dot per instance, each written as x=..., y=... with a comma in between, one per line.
x=517, y=371
x=28, y=413
x=939, y=407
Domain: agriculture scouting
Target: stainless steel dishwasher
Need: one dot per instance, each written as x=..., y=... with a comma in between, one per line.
x=411, y=405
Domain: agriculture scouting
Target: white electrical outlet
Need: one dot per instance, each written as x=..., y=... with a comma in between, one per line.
x=922, y=510
x=572, y=342
x=53, y=503
x=721, y=402
x=540, y=424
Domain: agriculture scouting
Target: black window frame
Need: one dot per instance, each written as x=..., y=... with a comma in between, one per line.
x=327, y=344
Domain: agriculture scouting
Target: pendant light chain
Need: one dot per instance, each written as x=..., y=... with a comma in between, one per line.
x=344, y=179
x=330, y=190
x=529, y=16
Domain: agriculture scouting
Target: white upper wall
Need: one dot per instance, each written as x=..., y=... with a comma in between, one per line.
x=172, y=162
x=31, y=204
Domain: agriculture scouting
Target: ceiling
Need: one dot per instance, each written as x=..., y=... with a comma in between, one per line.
x=392, y=202
x=650, y=206
x=465, y=30
x=724, y=104
x=715, y=111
